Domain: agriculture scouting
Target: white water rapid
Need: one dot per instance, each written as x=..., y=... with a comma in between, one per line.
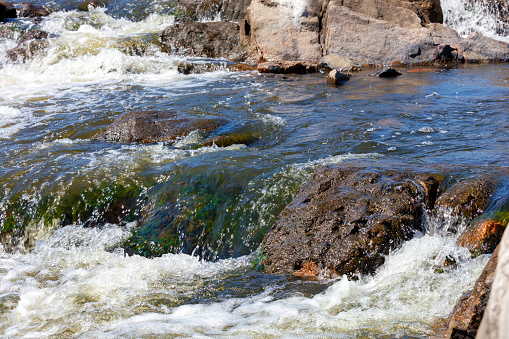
x=487, y=17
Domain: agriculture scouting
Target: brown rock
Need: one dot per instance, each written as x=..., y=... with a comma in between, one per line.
x=483, y=236
x=469, y=310
x=155, y=126
x=30, y=10
x=336, y=78
x=309, y=270
x=357, y=39
x=355, y=33
x=204, y=39
x=468, y=198
x=30, y=44
x=345, y=219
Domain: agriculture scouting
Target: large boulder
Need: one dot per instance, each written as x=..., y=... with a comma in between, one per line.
x=495, y=322
x=7, y=11
x=478, y=48
x=283, y=30
x=345, y=220
x=155, y=126
x=469, y=310
x=203, y=39
x=362, y=40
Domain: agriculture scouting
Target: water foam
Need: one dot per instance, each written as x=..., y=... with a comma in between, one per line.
x=103, y=293
x=12, y=120
x=475, y=16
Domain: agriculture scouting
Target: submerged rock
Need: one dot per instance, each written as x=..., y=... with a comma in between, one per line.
x=203, y=39
x=30, y=44
x=155, y=126
x=468, y=312
x=228, y=140
x=344, y=221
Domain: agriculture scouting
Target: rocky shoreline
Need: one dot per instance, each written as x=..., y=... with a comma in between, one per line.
x=345, y=219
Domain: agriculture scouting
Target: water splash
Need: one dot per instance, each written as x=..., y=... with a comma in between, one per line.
x=489, y=18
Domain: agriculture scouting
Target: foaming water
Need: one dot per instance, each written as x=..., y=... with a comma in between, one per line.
x=477, y=16
x=70, y=285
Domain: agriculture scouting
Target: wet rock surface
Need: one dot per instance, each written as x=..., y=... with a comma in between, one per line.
x=345, y=220
x=30, y=44
x=203, y=39
x=483, y=236
x=287, y=67
x=495, y=321
x=155, y=126
x=469, y=310
x=387, y=73
x=467, y=199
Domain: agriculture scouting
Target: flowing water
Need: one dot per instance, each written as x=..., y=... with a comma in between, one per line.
x=78, y=262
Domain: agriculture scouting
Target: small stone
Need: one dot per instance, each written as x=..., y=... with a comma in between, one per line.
x=337, y=78
x=387, y=73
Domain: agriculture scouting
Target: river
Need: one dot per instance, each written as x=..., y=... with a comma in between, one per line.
x=69, y=269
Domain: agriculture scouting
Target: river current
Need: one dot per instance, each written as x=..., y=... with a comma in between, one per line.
x=65, y=278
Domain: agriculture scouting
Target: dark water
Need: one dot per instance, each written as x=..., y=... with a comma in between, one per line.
x=70, y=207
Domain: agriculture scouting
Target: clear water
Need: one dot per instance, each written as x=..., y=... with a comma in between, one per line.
x=76, y=281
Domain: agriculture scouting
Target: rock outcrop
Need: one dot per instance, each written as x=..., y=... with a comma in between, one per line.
x=202, y=39
x=469, y=310
x=193, y=10
x=348, y=33
x=155, y=126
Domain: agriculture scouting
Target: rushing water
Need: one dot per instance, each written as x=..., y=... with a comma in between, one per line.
x=489, y=18
x=60, y=277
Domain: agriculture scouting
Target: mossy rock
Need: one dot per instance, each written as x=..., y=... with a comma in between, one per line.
x=82, y=204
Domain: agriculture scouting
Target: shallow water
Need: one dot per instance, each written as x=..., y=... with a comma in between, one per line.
x=64, y=278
